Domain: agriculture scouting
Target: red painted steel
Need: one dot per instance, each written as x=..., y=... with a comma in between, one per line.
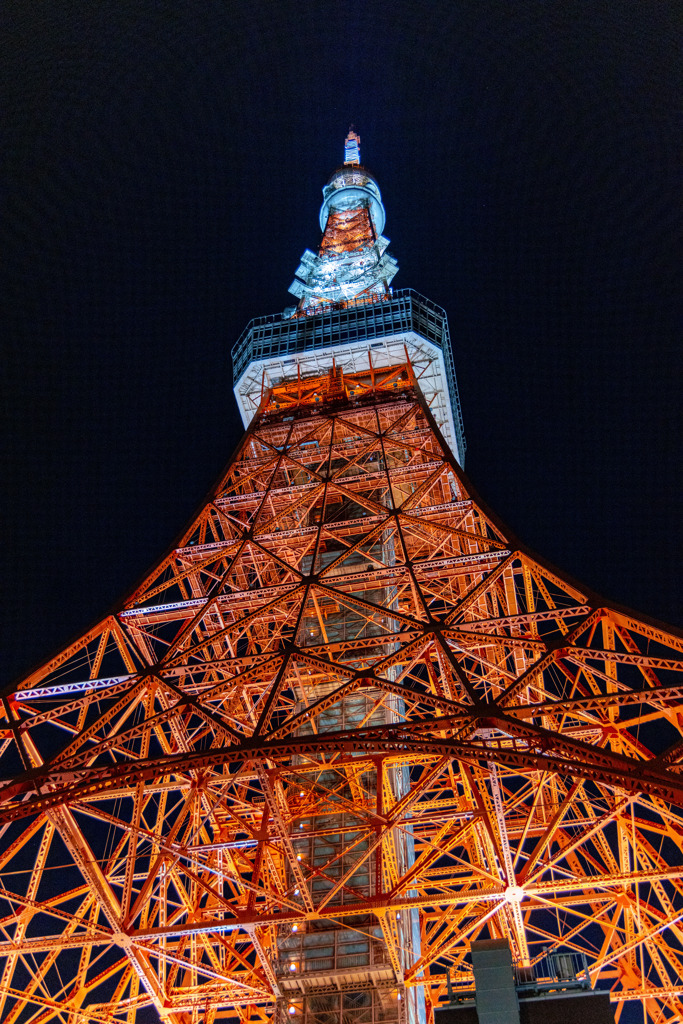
x=346, y=701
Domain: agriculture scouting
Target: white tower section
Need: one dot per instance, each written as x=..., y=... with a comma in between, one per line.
x=352, y=260
x=348, y=315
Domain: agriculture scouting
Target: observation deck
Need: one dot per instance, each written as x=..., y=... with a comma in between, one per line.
x=356, y=336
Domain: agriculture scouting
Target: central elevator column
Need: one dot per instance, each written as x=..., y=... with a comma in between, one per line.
x=348, y=967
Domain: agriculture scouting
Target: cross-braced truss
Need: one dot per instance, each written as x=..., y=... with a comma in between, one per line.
x=347, y=701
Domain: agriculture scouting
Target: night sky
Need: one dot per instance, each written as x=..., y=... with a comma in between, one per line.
x=162, y=166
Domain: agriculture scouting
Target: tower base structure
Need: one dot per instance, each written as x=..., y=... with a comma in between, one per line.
x=345, y=727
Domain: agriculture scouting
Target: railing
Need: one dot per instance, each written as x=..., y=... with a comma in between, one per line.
x=560, y=970
x=403, y=311
x=305, y=963
x=553, y=972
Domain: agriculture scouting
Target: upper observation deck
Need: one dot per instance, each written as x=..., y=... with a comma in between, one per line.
x=356, y=335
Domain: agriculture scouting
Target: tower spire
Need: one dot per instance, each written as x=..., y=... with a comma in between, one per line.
x=352, y=263
x=352, y=148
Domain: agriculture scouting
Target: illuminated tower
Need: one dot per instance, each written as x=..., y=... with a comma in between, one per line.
x=348, y=725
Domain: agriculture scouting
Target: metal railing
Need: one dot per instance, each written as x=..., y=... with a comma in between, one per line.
x=553, y=972
x=299, y=961
x=559, y=970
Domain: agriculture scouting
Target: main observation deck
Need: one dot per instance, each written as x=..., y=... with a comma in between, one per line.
x=356, y=336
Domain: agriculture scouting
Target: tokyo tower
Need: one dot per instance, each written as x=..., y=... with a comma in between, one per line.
x=348, y=726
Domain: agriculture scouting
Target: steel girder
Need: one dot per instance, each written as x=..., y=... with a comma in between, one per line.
x=346, y=657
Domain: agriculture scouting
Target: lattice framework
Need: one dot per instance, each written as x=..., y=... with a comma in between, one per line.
x=342, y=618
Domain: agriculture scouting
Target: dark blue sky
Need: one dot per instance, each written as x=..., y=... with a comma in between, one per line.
x=161, y=174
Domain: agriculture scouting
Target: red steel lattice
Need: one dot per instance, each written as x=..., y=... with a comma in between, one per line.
x=347, y=704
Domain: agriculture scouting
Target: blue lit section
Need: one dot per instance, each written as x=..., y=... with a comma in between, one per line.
x=349, y=189
x=352, y=148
